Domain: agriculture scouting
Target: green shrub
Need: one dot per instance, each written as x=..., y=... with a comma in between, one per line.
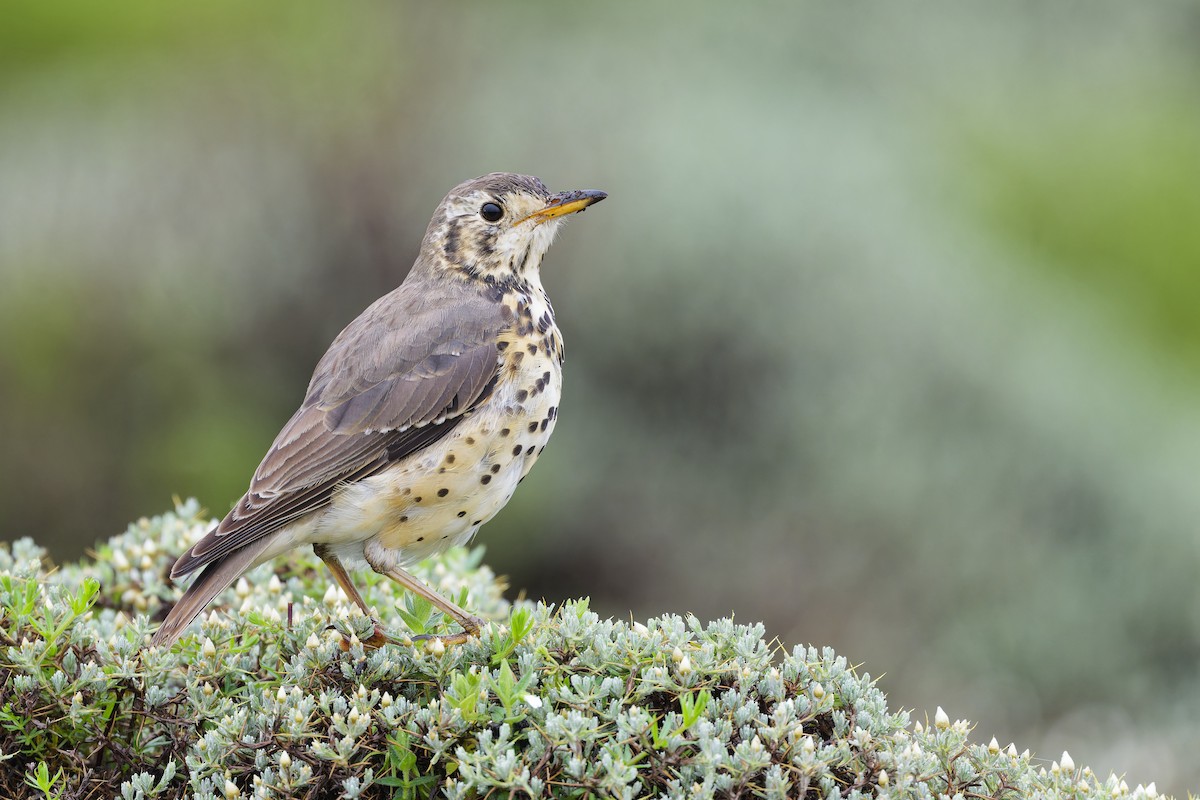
x=274, y=696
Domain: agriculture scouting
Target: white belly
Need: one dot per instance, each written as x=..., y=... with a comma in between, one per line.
x=439, y=497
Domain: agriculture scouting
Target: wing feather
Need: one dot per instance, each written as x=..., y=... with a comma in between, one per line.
x=396, y=380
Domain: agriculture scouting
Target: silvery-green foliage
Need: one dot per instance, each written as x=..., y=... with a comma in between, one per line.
x=272, y=695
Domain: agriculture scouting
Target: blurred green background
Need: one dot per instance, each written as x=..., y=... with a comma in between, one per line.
x=887, y=335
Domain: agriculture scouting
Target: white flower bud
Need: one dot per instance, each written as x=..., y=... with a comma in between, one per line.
x=940, y=719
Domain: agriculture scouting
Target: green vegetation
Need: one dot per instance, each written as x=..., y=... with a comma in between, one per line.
x=274, y=696
x=1106, y=205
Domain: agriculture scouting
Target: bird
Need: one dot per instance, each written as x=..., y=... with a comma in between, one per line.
x=421, y=418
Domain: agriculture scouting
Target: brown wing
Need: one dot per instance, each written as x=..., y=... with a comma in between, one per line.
x=397, y=379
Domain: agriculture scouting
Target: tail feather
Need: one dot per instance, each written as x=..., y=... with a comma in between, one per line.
x=215, y=578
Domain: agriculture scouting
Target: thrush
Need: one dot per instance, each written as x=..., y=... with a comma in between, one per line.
x=421, y=418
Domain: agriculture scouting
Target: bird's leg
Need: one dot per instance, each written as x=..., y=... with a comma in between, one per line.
x=379, y=637
x=471, y=625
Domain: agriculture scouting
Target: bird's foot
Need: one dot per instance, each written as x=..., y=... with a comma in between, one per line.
x=378, y=638
x=471, y=628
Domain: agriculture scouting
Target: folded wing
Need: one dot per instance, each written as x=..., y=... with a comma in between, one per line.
x=396, y=380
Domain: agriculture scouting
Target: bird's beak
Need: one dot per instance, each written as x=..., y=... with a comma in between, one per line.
x=565, y=203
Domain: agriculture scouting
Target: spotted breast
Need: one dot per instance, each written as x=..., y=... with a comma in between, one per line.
x=422, y=506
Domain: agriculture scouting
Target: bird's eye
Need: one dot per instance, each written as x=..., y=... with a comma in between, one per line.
x=491, y=212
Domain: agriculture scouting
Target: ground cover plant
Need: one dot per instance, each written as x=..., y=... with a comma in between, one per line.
x=274, y=696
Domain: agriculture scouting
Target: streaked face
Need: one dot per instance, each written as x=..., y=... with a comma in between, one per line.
x=501, y=224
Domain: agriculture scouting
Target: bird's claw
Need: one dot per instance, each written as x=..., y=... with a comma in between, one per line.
x=471, y=628
x=377, y=639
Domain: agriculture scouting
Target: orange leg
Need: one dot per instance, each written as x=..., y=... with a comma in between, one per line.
x=471, y=624
x=379, y=637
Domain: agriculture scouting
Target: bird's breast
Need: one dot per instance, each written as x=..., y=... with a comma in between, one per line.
x=440, y=496
x=531, y=329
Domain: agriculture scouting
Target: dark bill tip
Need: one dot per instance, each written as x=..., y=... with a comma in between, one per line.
x=568, y=203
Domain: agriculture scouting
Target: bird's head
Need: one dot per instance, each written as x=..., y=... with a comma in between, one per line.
x=498, y=227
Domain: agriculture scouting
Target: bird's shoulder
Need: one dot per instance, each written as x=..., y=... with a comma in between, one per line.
x=403, y=361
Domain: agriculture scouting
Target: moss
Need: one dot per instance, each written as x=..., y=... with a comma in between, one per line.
x=274, y=696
